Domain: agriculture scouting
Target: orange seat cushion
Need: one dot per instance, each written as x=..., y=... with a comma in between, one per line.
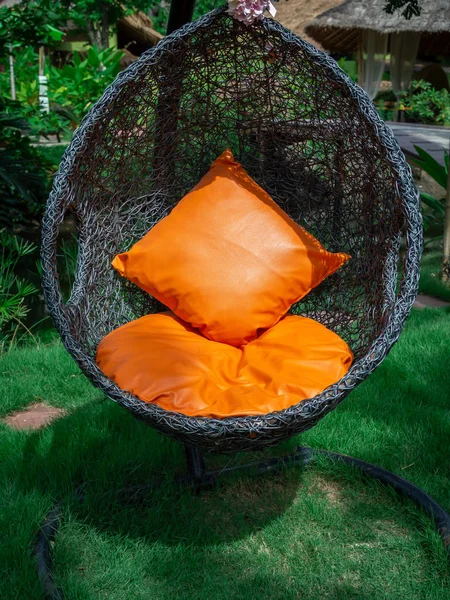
x=227, y=259
x=160, y=359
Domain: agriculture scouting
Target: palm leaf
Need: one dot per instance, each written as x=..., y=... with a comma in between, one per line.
x=18, y=175
x=435, y=239
x=432, y=202
x=431, y=166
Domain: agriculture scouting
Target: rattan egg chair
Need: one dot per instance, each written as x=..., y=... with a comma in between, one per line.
x=304, y=131
x=311, y=138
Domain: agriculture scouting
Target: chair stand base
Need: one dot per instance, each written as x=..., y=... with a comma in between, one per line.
x=199, y=479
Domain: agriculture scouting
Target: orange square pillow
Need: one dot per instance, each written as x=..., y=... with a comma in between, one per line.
x=227, y=259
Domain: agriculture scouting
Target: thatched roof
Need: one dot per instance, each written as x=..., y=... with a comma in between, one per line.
x=137, y=30
x=339, y=28
x=296, y=14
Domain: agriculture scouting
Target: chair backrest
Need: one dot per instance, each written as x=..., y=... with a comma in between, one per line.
x=295, y=121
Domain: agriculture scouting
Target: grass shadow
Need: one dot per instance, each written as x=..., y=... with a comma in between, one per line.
x=323, y=532
x=103, y=449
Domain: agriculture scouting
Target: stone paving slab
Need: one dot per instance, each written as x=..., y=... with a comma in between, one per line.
x=432, y=139
x=34, y=416
x=423, y=301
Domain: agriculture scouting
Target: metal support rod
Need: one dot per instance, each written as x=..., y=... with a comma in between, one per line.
x=195, y=462
x=181, y=12
x=446, y=248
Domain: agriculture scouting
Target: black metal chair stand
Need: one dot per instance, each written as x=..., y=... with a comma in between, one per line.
x=199, y=479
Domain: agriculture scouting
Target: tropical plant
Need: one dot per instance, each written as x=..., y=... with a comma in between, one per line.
x=436, y=211
x=31, y=23
x=27, y=94
x=426, y=104
x=98, y=16
x=39, y=22
x=23, y=170
x=350, y=67
x=26, y=70
x=74, y=88
x=14, y=290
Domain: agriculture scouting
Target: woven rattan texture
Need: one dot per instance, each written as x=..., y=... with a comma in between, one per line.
x=304, y=132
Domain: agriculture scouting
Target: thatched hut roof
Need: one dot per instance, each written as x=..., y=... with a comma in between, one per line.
x=338, y=29
x=136, y=32
x=296, y=14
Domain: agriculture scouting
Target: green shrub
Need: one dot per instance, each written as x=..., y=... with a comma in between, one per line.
x=14, y=290
x=385, y=102
x=75, y=88
x=350, y=67
x=425, y=104
x=27, y=94
x=24, y=172
x=422, y=103
x=72, y=90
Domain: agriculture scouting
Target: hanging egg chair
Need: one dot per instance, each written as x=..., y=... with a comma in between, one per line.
x=305, y=133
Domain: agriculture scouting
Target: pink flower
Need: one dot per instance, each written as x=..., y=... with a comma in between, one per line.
x=247, y=11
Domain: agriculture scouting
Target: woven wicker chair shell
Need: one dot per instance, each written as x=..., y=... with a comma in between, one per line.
x=304, y=131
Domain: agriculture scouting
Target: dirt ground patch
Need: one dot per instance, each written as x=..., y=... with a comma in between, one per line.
x=328, y=488
x=34, y=417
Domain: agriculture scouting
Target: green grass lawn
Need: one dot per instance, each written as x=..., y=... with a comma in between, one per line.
x=323, y=532
x=430, y=281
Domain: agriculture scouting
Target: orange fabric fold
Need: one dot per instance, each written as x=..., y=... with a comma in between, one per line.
x=227, y=259
x=160, y=359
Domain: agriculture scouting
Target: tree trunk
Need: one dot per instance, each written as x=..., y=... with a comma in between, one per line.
x=99, y=32
x=93, y=34
x=105, y=27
